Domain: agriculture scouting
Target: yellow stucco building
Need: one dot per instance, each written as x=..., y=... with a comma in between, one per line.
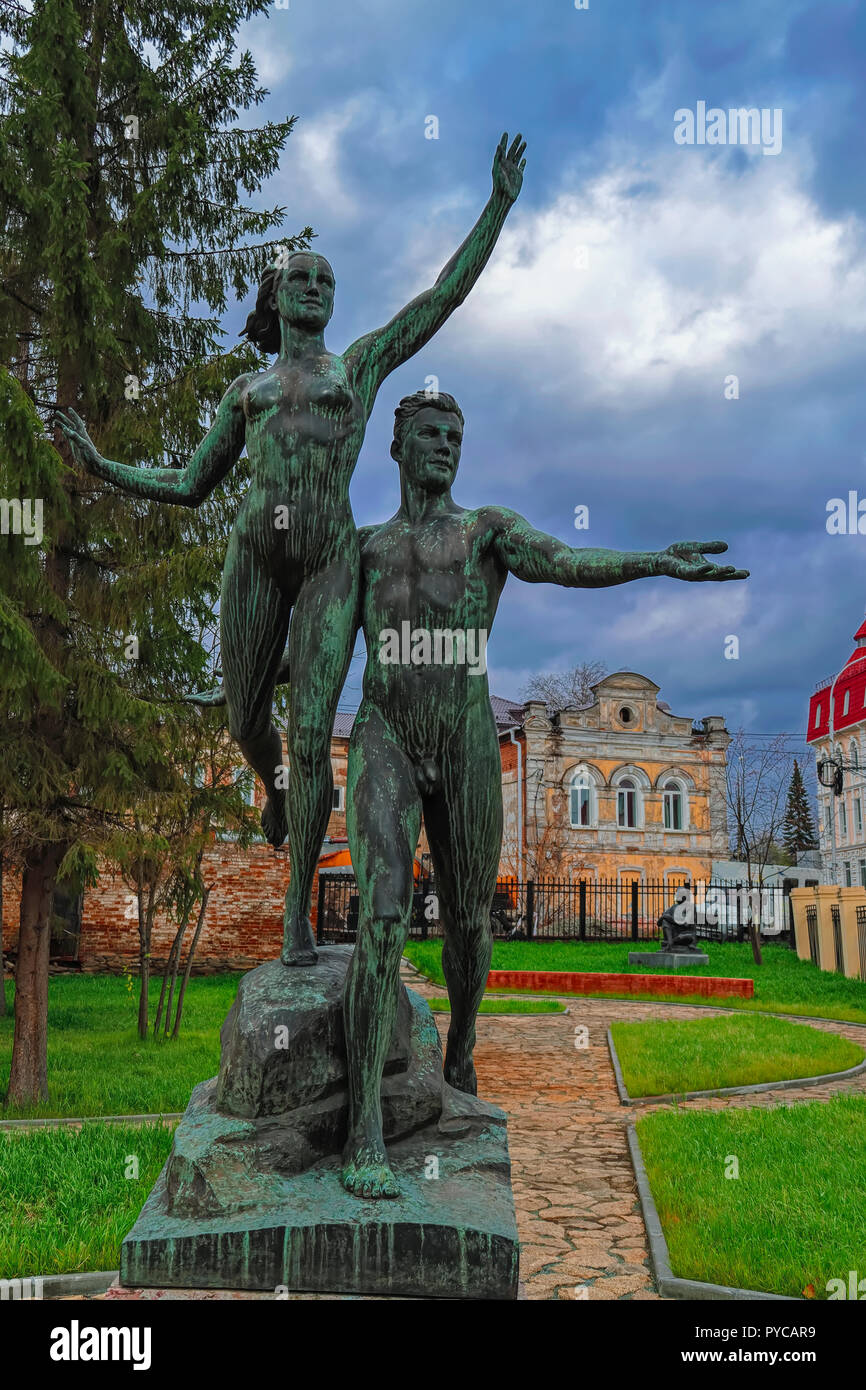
x=618, y=790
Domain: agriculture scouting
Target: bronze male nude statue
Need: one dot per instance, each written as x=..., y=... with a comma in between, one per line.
x=425, y=742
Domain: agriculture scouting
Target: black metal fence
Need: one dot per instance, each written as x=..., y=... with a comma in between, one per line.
x=836, y=919
x=812, y=929
x=578, y=909
x=861, y=940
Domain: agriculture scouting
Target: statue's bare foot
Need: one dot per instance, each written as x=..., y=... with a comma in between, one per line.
x=366, y=1171
x=460, y=1073
x=299, y=943
x=274, y=823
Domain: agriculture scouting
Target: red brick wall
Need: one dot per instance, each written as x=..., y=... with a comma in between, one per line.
x=244, y=919
x=243, y=926
x=244, y=922
x=597, y=982
x=11, y=905
x=508, y=754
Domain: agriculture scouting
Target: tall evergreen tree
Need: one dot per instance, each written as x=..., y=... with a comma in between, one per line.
x=123, y=232
x=798, y=827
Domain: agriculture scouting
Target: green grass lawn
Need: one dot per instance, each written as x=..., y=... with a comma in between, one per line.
x=97, y=1065
x=660, y=1058
x=791, y=1221
x=68, y=1196
x=506, y=1006
x=783, y=984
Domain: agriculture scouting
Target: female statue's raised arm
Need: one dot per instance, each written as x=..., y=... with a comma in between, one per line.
x=220, y=449
x=372, y=357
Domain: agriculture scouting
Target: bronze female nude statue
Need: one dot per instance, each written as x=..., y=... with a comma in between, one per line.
x=293, y=552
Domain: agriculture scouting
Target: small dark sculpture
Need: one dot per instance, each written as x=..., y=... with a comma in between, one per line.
x=425, y=742
x=294, y=550
x=677, y=936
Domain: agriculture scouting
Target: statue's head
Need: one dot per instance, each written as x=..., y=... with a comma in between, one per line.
x=300, y=290
x=428, y=434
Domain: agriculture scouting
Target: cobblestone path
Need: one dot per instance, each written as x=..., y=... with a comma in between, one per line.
x=579, y=1219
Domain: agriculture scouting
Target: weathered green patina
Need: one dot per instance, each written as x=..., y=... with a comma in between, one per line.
x=251, y=1196
x=294, y=549
x=425, y=742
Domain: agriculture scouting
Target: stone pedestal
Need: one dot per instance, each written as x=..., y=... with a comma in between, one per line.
x=670, y=960
x=251, y=1198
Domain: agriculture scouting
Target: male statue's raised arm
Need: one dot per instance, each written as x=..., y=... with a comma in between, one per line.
x=539, y=558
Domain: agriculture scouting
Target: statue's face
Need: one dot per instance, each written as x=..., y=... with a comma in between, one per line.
x=430, y=451
x=305, y=291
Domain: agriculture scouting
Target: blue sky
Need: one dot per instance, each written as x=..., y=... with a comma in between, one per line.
x=604, y=383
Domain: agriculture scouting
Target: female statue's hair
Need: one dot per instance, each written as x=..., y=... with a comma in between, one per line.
x=263, y=324
x=410, y=405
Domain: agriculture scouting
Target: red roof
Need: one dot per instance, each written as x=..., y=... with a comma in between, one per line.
x=849, y=695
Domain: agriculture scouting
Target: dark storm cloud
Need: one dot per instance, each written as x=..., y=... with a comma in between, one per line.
x=651, y=446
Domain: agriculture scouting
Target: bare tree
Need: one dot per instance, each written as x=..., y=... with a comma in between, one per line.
x=759, y=771
x=560, y=689
x=549, y=851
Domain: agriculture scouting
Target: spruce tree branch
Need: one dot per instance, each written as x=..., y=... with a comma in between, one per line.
x=31, y=308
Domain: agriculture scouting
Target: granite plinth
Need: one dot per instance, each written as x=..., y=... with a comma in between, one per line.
x=671, y=960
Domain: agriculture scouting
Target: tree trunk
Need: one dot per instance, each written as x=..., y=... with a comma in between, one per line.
x=175, y=967
x=192, y=949
x=169, y=974
x=28, y=1080
x=145, y=934
x=756, y=943
x=165, y=975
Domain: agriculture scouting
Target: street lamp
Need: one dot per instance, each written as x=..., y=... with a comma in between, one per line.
x=836, y=772
x=830, y=773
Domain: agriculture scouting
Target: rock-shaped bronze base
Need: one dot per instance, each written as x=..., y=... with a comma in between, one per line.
x=251, y=1197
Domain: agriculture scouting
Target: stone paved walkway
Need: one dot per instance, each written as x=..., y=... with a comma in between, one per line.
x=579, y=1219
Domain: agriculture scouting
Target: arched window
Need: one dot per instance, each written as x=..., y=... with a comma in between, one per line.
x=582, y=804
x=855, y=757
x=627, y=804
x=674, y=806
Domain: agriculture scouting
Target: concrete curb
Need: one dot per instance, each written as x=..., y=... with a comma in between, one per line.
x=791, y=1085
x=687, y=1004
x=58, y=1121
x=507, y=1013
x=407, y=964
x=669, y=1285
x=722, y=1008
x=74, y=1285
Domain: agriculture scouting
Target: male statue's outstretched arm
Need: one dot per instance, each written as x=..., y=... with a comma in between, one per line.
x=220, y=449
x=539, y=558
x=378, y=353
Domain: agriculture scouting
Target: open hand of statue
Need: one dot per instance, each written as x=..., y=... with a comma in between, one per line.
x=84, y=451
x=687, y=560
x=508, y=166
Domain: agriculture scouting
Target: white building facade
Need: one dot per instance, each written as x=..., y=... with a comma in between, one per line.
x=837, y=729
